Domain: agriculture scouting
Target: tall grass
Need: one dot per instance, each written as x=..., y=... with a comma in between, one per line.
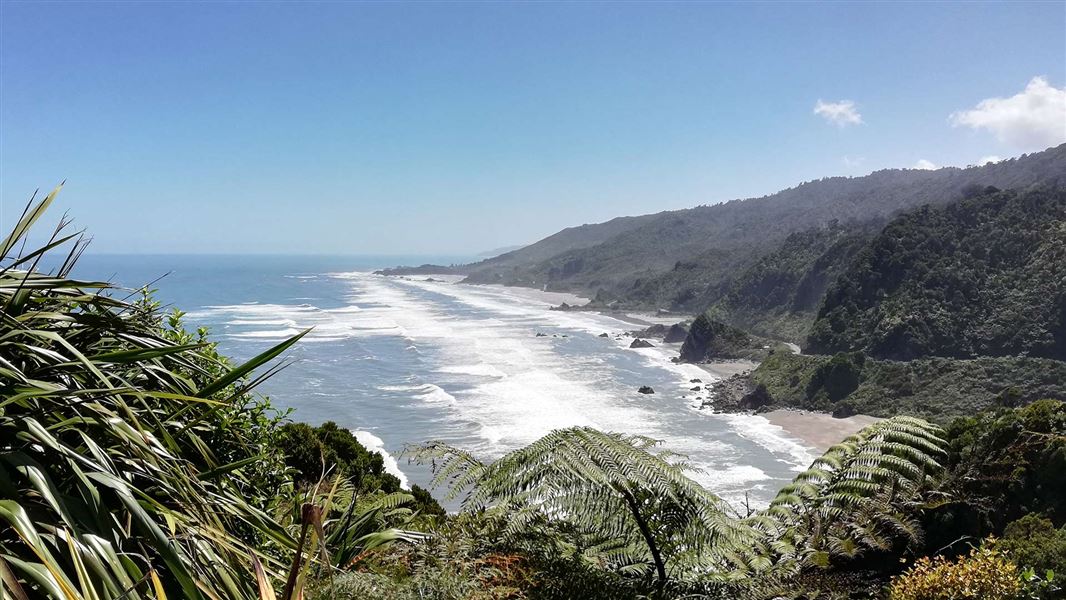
x=133, y=457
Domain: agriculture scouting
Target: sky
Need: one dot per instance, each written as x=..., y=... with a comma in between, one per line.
x=455, y=128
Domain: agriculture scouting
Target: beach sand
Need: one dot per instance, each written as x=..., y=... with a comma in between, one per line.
x=727, y=368
x=818, y=430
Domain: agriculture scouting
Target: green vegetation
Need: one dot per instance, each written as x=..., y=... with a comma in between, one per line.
x=984, y=574
x=311, y=453
x=708, y=339
x=939, y=389
x=979, y=277
x=1006, y=465
x=136, y=462
x=1033, y=542
x=686, y=260
x=780, y=294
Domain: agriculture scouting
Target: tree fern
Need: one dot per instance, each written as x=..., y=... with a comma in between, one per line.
x=861, y=494
x=633, y=504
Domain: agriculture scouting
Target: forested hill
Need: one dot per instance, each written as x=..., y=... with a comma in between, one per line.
x=686, y=259
x=985, y=276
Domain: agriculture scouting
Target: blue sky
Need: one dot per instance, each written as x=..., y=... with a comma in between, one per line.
x=252, y=127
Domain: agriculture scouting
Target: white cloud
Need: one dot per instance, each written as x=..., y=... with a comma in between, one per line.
x=1032, y=120
x=989, y=159
x=853, y=161
x=841, y=113
x=925, y=165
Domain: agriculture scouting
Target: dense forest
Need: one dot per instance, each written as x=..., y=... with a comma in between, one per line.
x=985, y=276
x=938, y=389
x=685, y=260
x=780, y=294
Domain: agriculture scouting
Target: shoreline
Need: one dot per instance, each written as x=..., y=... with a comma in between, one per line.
x=816, y=431
x=819, y=430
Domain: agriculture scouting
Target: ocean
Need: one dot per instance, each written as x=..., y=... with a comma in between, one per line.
x=406, y=360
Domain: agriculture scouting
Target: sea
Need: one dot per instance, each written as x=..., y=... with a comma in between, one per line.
x=406, y=360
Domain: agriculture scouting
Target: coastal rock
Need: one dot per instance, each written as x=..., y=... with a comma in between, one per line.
x=708, y=339
x=676, y=334
x=639, y=343
x=656, y=331
x=539, y=334
x=669, y=334
x=645, y=389
x=844, y=410
x=757, y=400
x=694, y=388
x=696, y=380
x=735, y=394
x=606, y=335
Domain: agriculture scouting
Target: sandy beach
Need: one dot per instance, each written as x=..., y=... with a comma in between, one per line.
x=727, y=368
x=818, y=430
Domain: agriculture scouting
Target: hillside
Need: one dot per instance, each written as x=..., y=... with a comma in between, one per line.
x=685, y=260
x=985, y=276
x=938, y=389
x=780, y=294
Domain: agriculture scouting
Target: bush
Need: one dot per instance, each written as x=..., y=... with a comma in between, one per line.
x=329, y=449
x=838, y=377
x=1033, y=542
x=984, y=574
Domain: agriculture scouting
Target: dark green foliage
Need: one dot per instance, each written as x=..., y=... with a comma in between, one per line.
x=686, y=259
x=1013, y=463
x=132, y=455
x=981, y=277
x=938, y=389
x=425, y=503
x=709, y=339
x=837, y=378
x=1033, y=541
x=315, y=452
x=473, y=556
x=780, y=294
x=1004, y=465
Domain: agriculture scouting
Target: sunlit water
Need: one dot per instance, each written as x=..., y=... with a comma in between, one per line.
x=404, y=360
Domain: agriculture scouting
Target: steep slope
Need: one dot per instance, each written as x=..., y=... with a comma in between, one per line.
x=985, y=276
x=685, y=259
x=780, y=294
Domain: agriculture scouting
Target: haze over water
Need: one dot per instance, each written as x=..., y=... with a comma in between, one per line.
x=403, y=361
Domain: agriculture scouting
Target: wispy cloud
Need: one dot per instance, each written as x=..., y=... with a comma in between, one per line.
x=853, y=161
x=923, y=164
x=989, y=159
x=1032, y=120
x=841, y=113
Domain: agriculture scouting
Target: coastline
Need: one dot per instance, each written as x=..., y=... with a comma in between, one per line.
x=818, y=430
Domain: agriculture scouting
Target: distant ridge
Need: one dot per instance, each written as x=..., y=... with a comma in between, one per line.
x=498, y=251
x=685, y=260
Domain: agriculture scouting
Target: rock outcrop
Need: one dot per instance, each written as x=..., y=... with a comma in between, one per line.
x=708, y=339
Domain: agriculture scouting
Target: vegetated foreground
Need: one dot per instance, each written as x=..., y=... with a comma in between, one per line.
x=136, y=462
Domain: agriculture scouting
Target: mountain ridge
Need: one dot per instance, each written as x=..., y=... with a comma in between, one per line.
x=601, y=260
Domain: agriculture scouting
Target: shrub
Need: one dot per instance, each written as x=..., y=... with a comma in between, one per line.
x=1033, y=541
x=838, y=377
x=984, y=574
